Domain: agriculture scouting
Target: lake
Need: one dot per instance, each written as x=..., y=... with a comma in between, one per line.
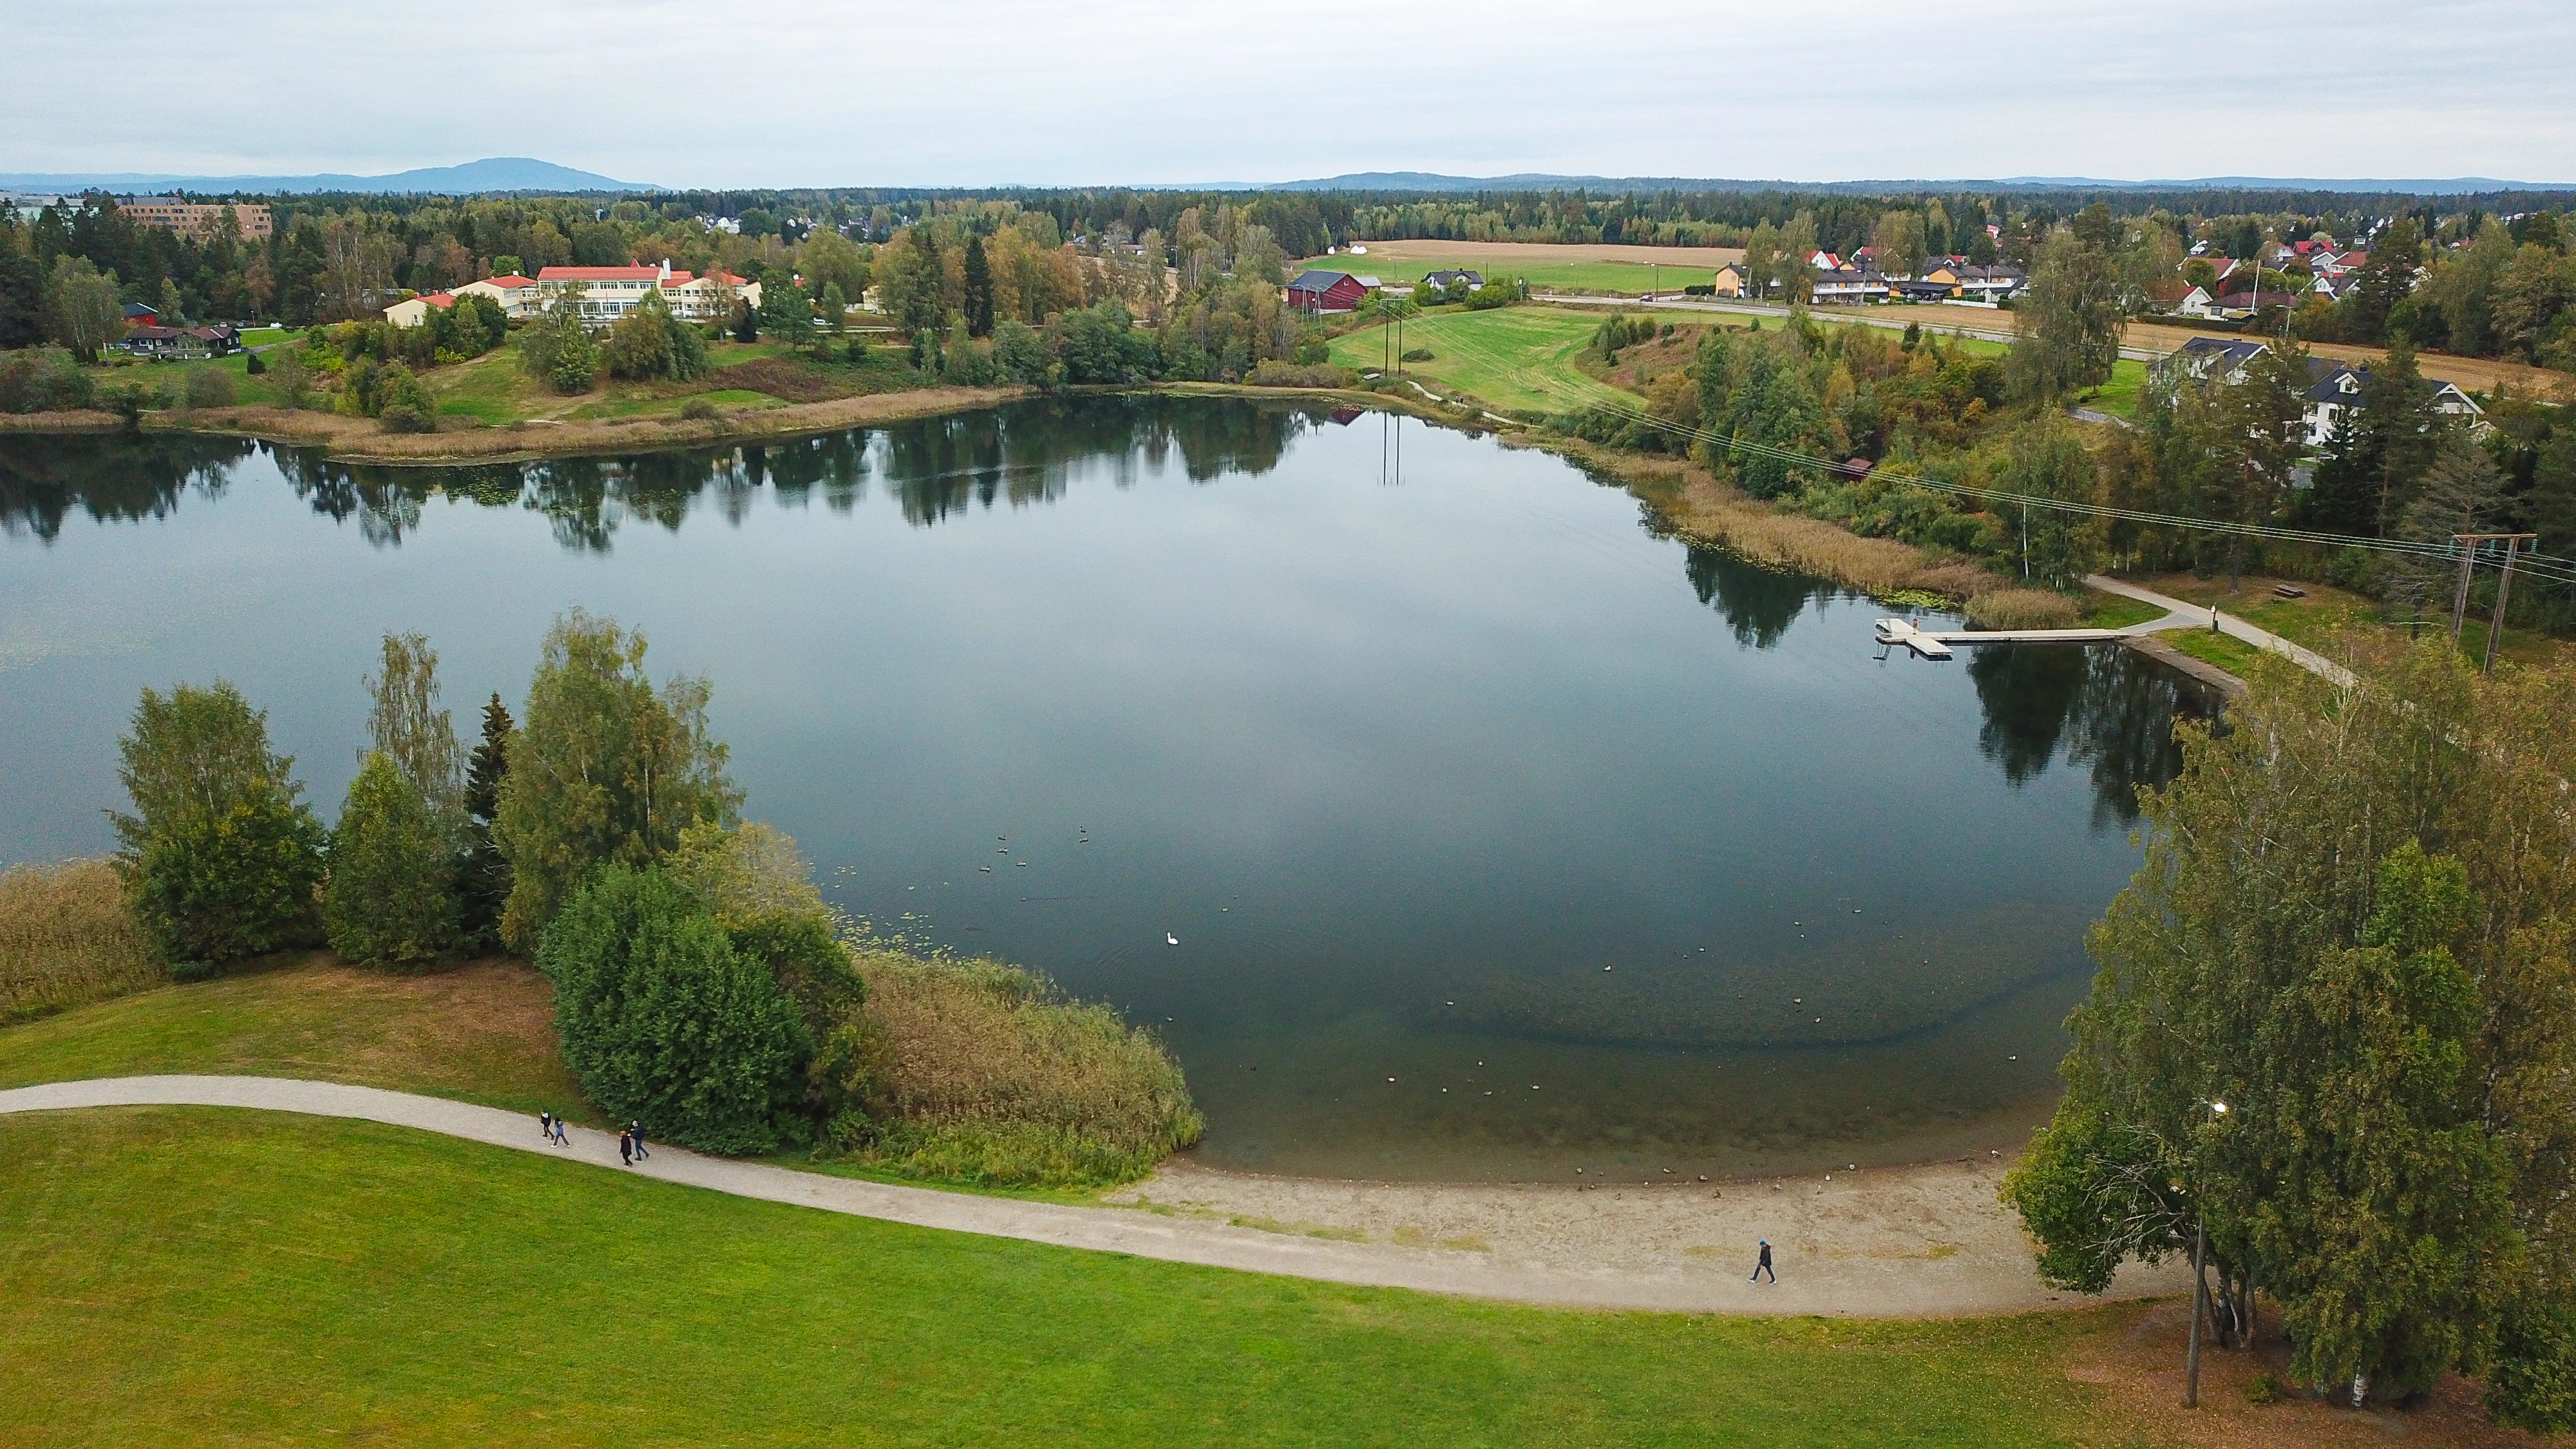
x=1501, y=834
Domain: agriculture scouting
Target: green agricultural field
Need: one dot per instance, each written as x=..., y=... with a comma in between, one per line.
x=239, y=1278
x=1630, y=278
x=1518, y=359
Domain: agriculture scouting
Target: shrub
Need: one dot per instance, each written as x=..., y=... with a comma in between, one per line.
x=222, y=858
x=254, y=364
x=984, y=1074
x=208, y=387
x=129, y=400
x=699, y=410
x=43, y=379
x=406, y=418
x=664, y=1021
x=389, y=901
x=1417, y=354
x=68, y=938
x=2533, y=1383
x=224, y=884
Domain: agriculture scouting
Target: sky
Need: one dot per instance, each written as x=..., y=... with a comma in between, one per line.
x=784, y=93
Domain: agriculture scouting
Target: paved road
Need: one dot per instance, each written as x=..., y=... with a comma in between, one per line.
x=1955, y=1249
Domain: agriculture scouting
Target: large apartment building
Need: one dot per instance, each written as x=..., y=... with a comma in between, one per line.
x=197, y=218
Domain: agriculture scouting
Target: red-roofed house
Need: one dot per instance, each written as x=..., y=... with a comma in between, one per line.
x=414, y=311
x=518, y=295
x=604, y=294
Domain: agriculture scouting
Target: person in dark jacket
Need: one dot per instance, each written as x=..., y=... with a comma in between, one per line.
x=1764, y=1266
x=626, y=1147
x=636, y=1131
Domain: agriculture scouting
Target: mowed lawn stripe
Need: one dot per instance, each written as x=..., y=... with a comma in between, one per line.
x=1517, y=359
x=240, y=1278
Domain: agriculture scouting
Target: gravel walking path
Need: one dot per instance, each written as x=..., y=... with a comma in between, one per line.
x=1911, y=1242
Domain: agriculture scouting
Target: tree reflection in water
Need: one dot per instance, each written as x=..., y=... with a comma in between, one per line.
x=1759, y=603
x=2105, y=708
x=935, y=468
x=112, y=477
x=2111, y=709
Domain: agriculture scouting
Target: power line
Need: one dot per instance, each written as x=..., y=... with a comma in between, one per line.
x=2550, y=567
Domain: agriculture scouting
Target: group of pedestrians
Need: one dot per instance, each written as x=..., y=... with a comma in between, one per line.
x=630, y=1138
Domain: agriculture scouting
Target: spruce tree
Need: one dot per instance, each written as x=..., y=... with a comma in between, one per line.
x=482, y=876
x=979, y=290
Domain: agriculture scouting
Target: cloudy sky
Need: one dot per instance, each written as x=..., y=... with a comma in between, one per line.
x=982, y=92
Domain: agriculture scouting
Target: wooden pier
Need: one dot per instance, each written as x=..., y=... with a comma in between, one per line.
x=1937, y=643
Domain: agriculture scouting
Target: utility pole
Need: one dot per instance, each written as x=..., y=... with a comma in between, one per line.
x=2504, y=588
x=2468, y=546
x=2199, y=1295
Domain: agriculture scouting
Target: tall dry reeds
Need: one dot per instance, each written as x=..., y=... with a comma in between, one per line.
x=988, y=1075
x=66, y=938
x=2023, y=609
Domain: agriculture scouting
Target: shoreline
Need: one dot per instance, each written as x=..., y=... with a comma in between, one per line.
x=1685, y=498
x=362, y=441
x=1923, y=1242
x=1928, y=1240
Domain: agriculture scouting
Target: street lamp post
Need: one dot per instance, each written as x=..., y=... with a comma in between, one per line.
x=2199, y=1291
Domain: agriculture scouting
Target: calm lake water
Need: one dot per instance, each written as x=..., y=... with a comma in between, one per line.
x=1500, y=834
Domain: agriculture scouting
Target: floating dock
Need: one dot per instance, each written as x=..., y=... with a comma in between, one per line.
x=1937, y=643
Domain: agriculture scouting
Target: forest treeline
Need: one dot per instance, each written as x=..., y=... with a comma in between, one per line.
x=338, y=258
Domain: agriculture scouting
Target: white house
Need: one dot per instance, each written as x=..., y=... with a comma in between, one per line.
x=415, y=311
x=602, y=294
x=1847, y=285
x=2336, y=391
x=517, y=294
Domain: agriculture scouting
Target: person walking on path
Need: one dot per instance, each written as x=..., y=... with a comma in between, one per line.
x=1764, y=1266
x=636, y=1130
x=560, y=1139
x=546, y=1126
x=626, y=1147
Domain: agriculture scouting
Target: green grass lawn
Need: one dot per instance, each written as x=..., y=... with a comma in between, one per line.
x=2226, y=651
x=2119, y=396
x=1518, y=359
x=219, y=1277
x=2113, y=611
x=479, y=1033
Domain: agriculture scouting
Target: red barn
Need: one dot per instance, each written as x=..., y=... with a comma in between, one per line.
x=1326, y=292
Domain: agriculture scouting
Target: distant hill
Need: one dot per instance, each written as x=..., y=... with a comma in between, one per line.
x=474, y=178
x=1541, y=181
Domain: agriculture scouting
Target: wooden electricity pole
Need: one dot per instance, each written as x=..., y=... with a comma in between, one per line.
x=2468, y=545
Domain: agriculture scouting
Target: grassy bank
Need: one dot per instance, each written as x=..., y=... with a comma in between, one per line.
x=66, y=939
x=986, y=1076
x=247, y=1278
x=483, y=1032
x=360, y=440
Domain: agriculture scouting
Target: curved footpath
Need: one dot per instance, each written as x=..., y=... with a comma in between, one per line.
x=2181, y=615
x=1910, y=1242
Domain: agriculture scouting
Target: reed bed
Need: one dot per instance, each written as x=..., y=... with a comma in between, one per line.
x=2023, y=609
x=989, y=1075
x=67, y=939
